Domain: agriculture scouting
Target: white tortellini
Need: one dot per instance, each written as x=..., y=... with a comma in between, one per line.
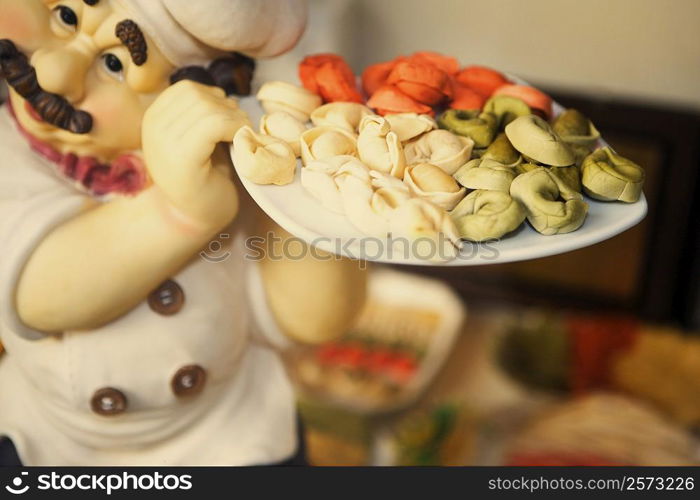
x=345, y=115
x=440, y=148
x=323, y=143
x=409, y=126
x=433, y=184
x=379, y=148
x=263, y=159
x=283, y=96
x=318, y=178
x=487, y=215
x=379, y=204
x=486, y=174
x=541, y=196
x=357, y=192
x=282, y=125
x=389, y=193
x=347, y=186
x=427, y=229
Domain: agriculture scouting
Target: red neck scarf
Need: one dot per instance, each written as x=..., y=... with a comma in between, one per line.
x=126, y=175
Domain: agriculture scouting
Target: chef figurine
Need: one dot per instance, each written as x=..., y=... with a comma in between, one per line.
x=124, y=345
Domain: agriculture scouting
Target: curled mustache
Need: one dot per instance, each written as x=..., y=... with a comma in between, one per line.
x=53, y=109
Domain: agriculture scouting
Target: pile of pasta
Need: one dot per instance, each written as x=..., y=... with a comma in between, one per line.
x=493, y=158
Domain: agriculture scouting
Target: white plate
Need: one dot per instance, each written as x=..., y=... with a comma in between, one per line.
x=405, y=290
x=293, y=208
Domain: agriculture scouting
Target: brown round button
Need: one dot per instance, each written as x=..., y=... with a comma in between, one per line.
x=188, y=380
x=108, y=402
x=167, y=299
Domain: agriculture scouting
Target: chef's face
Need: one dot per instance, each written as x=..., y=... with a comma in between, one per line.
x=106, y=81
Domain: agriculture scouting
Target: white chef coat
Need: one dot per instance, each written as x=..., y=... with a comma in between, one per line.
x=245, y=413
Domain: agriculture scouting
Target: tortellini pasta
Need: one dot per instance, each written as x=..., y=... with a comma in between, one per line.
x=433, y=184
x=524, y=168
x=570, y=176
x=409, y=126
x=538, y=192
x=389, y=194
x=318, y=178
x=481, y=127
x=283, y=96
x=282, y=125
x=263, y=159
x=506, y=109
x=407, y=176
x=440, y=148
x=428, y=228
x=345, y=115
x=487, y=215
x=379, y=148
x=379, y=204
x=365, y=209
x=534, y=138
x=486, y=174
x=355, y=185
x=574, y=128
x=608, y=176
x=347, y=186
x=322, y=143
x=502, y=151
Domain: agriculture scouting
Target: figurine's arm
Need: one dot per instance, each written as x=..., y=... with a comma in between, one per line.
x=313, y=300
x=102, y=263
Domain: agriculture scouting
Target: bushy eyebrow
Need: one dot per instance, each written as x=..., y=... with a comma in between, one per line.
x=132, y=37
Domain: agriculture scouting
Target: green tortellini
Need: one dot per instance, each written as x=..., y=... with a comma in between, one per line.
x=580, y=152
x=610, y=177
x=506, y=108
x=502, y=151
x=570, y=176
x=480, y=127
x=478, y=152
x=525, y=167
x=574, y=128
x=534, y=139
x=547, y=209
x=484, y=173
x=487, y=215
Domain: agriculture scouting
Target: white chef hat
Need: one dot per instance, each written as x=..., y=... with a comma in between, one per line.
x=193, y=32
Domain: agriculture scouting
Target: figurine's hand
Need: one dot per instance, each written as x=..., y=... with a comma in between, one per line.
x=180, y=132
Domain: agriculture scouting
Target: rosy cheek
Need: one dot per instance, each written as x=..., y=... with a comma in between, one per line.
x=25, y=22
x=117, y=119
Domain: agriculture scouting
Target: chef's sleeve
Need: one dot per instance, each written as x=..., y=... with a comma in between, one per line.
x=27, y=216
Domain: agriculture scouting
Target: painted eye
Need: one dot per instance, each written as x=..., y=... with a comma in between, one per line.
x=67, y=17
x=113, y=66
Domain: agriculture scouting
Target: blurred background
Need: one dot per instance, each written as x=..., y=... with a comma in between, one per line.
x=587, y=357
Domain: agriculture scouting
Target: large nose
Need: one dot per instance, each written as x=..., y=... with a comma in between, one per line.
x=62, y=71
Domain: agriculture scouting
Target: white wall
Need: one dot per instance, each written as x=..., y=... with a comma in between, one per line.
x=637, y=48
x=648, y=49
